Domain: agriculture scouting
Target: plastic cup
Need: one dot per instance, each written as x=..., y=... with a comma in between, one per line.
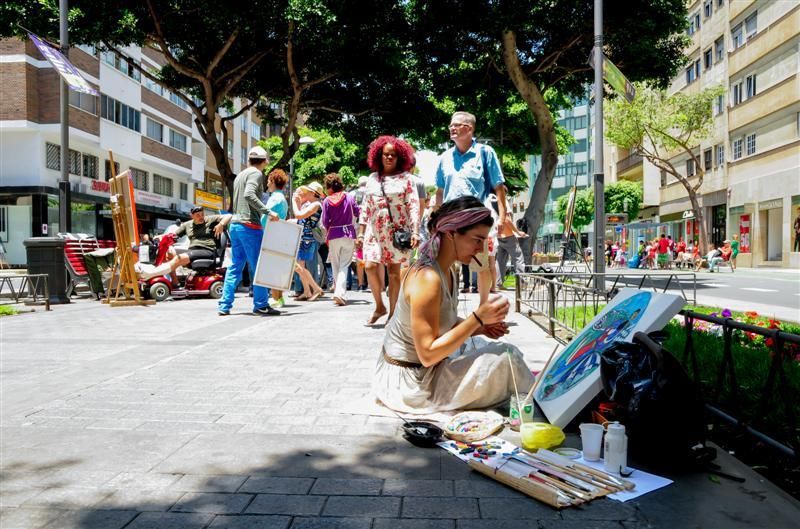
x=591, y=440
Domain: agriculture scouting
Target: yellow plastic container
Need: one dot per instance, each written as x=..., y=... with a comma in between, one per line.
x=537, y=435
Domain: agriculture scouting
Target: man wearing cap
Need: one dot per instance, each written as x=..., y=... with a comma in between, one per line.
x=470, y=168
x=201, y=231
x=245, y=233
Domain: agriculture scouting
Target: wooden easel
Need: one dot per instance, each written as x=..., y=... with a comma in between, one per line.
x=124, y=282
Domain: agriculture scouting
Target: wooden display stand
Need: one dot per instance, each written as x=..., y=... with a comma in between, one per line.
x=124, y=283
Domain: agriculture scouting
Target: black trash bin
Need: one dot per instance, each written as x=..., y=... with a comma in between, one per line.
x=46, y=256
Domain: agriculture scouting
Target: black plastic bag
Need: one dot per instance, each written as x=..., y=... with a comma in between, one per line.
x=660, y=406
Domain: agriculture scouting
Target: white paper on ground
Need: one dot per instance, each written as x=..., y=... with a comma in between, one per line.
x=644, y=481
x=501, y=453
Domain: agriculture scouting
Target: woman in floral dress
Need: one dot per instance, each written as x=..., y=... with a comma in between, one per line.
x=389, y=186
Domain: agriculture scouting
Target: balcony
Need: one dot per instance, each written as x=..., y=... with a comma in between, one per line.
x=764, y=103
x=766, y=40
x=630, y=167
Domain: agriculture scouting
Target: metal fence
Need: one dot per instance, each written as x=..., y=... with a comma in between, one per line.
x=19, y=288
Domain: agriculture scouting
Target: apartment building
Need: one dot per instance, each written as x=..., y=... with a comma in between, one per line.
x=751, y=160
x=149, y=130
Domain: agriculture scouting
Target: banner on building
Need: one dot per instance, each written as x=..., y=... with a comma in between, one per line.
x=65, y=69
x=744, y=233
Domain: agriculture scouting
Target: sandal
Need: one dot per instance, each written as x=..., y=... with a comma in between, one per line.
x=376, y=316
x=302, y=297
x=315, y=297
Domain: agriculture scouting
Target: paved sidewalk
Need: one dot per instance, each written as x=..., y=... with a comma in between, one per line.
x=172, y=417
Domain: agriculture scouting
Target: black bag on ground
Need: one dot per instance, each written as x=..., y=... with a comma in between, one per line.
x=660, y=406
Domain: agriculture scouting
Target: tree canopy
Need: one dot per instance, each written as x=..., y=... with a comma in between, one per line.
x=664, y=128
x=584, y=209
x=623, y=197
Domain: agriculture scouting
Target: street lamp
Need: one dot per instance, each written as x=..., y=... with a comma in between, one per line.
x=304, y=140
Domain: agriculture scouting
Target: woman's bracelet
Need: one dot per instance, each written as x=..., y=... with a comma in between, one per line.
x=477, y=318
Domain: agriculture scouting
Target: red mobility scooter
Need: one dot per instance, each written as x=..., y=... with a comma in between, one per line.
x=205, y=277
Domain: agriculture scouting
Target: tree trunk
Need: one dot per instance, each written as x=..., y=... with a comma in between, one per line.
x=531, y=94
x=699, y=221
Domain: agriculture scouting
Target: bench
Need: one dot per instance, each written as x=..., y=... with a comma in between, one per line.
x=75, y=250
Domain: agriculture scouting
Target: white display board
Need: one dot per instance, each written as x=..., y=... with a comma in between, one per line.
x=571, y=378
x=276, y=260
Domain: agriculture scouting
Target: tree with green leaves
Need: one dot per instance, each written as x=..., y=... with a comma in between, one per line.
x=624, y=197
x=330, y=152
x=534, y=47
x=664, y=128
x=337, y=61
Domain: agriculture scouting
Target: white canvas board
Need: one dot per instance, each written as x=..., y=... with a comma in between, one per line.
x=276, y=259
x=571, y=378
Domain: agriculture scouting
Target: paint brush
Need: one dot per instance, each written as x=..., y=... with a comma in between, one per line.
x=541, y=374
x=516, y=391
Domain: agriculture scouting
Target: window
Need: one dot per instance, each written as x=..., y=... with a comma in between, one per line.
x=737, y=148
x=52, y=156
x=255, y=130
x=707, y=8
x=229, y=149
x=119, y=113
x=184, y=191
x=720, y=155
x=697, y=68
x=737, y=36
x=162, y=185
x=88, y=48
x=139, y=178
x=152, y=85
x=86, y=102
x=720, y=2
x=75, y=164
x=178, y=101
x=155, y=130
x=244, y=124
x=750, y=85
x=694, y=24
x=108, y=170
x=663, y=178
x=177, y=140
x=751, y=143
x=697, y=21
x=719, y=49
x=122, y=64
x=751, y=25
x=690, y=169
x=690, y=75
x=90, y=166
x=737, y=93
x=243, y=155
x=719, y=105
x=578, y=146
x=707, y=160
x=707, y=59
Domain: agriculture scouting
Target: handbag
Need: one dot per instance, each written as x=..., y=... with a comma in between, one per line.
x=401, y=237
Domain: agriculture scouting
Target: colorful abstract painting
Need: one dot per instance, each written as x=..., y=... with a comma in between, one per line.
x=572, y=376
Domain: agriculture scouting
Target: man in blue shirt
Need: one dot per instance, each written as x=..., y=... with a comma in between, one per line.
x=470, y=168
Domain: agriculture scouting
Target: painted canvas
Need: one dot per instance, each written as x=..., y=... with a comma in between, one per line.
x=572, y=377
x=276, y=259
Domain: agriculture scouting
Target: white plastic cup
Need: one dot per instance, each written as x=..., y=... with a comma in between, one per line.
x=591, y=440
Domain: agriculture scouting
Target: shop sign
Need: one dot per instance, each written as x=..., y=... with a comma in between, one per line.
x=737, y=210
x=150, y=199
x=688, y=214
x=770, y=204
x=207, y=200
x=617, y=218
x=744, y=233
x=106, y=212
x=99, y=185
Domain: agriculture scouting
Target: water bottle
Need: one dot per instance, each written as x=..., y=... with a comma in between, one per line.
x=616, y=448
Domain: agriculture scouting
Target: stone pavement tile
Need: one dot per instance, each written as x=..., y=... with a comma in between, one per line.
x=516, y=508
x=484, y=488
x=156, y=500
x=252, y=521
x=602, y=509
x=13, y=518
x=392, y=523
x=171, y=520
x=60, y=422
x=212, y=502
x=207, y=483
x=77, y=478
x=440, y=508
x=286, y=504
x=97, y=413
x=268, y=485
x=505, y=524
x=417, y=487
x=331, y=523
x=142, y=480
x=347, y=487
x=14, y=497
x=186, y=427
x=67, y=498
x=452, y=467
x=580, y=524
x=115, y=424
x=266, y=429
x=372, y=507
x=636, y=525
x=91, y=520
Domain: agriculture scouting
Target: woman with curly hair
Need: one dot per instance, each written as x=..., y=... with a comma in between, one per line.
x=390, y=205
